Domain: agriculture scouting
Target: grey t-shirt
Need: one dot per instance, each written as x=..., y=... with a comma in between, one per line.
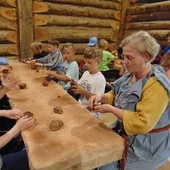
x=0, y=162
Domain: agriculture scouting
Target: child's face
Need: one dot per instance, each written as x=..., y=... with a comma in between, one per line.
x=168, y=40
x=51, y=47
x=68, y=54
x=36, y=50
x=92, y=65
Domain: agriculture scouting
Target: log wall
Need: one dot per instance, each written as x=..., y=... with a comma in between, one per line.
x=149, y=15
x=75, y=21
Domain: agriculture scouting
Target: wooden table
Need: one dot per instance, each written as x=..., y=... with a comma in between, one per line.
x=83, y=143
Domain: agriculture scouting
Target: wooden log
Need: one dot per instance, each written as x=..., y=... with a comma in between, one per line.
x=153, y=16
x=147, y=8
x=9, y=49
x=74, y=34
x=7, y=24
x=9, y=13
x=25, y=20
x=152, y=25
x=79, y=58
x=48, y=20
x=96, y=3
x=9, y=36
x=158, y=34
x=62, y=9
x=8, y=3
x=80, y=47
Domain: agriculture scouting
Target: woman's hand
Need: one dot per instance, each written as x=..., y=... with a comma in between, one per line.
x=104, y=108
x=9, y=82
x=13, y=114
x=94, y=101
x=24, y=123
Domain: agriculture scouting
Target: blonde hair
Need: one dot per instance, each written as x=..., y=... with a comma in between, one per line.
x=165, y=61
x=93, y=53
x=68, y=45
x=103, y=44
x=144, y=43
x=36, y=45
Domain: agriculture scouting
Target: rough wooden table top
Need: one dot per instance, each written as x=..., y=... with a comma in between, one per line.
x=83, y=143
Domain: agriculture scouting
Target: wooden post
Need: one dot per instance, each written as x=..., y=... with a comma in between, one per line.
x=25, y=21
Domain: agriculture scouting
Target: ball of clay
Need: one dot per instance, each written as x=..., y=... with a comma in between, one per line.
x=58, y=110
x=47, y=78
x=33, y=66
x=56, y=125
x=45, y=83
x=29, y=114
x=22, y=85
x=5, y=71
x=38, y=69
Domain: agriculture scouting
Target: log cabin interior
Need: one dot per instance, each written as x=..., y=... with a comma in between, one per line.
x=23, y=22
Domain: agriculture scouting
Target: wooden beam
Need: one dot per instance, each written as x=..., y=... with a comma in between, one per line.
x=50, y=20
x=7, y=24
x=147, y=8
x=8, y=3
x=74, y=34
x=153, y=16
x=9, y=36
x=152, y=25
x=9, y=13
x=25, y=20
x=73, y=10
x=96, y=3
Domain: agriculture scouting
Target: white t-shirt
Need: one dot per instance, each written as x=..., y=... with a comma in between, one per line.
x=94, y=83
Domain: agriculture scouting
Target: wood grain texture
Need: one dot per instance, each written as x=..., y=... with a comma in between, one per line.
x=84, y=142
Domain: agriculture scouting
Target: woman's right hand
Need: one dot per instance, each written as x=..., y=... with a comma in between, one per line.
x=94, y=101
x=24, y=123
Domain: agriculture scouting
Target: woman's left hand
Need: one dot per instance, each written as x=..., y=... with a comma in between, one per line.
x=104, y=108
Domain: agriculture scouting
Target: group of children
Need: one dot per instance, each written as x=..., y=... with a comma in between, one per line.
x=62, y=67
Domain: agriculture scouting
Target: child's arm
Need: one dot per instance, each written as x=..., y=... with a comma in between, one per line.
x=60, y=77
x=21, y=124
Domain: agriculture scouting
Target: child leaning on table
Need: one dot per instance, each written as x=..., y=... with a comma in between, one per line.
x=54, y=59
x=15, y=158
x=36, y=47
x=92, y=81
x=70, y=67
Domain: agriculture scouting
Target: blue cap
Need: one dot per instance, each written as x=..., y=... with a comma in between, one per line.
x=93, y=41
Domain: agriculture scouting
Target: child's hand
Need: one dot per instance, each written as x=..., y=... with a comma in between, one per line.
x=9, y=82
x=13, y=114
x=24, y=123
x=38, y=64
x=76, y=88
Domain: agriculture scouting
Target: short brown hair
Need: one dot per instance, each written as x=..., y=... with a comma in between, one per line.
x=53, y=41
x=168, y=35
x=93, y=53
x=103, y=44
x=68, y=45
x=165, y=61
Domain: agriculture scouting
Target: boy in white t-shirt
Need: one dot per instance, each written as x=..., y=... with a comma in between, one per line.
x=92, y=81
